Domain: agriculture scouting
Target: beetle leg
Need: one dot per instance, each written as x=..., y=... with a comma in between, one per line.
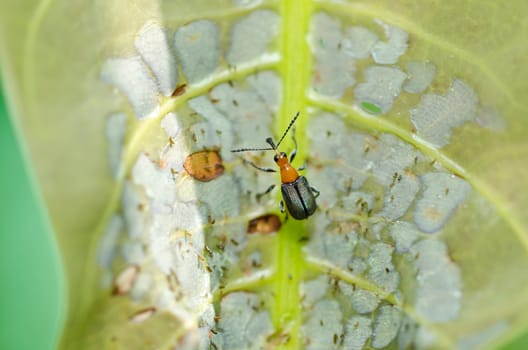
x=294, y=152
x=258, y=195
x=267, y=170
x=316, y=191
x=283, y=210
x=302, y=168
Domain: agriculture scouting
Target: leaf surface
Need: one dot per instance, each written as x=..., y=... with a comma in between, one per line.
x=411, y=126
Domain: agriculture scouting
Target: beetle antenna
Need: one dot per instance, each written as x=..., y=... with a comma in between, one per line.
x=251, y=149
x=271, y=143
x=270, y=140
x=287, y=129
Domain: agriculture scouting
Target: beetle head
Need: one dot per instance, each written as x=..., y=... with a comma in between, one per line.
x=279, y=156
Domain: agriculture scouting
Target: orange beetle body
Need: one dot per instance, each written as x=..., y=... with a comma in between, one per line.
x=287, y=172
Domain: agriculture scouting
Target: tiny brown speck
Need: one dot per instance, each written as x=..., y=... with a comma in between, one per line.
x=180, y=90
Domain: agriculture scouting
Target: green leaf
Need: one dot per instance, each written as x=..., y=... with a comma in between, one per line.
x=411, y=125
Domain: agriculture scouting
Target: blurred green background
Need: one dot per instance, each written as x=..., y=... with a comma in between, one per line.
x=32, y=296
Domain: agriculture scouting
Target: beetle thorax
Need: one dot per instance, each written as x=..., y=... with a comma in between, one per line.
x=288, y=173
